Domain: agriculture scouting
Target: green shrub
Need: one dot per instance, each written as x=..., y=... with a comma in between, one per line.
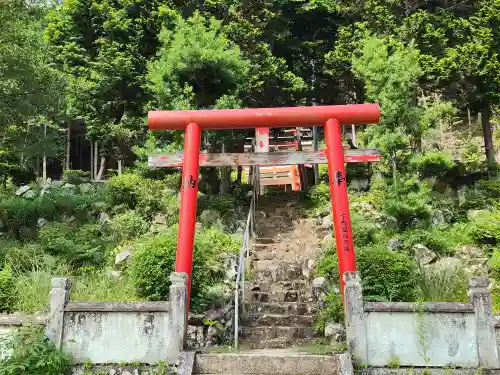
x=34, y=354
x=433, y=164
x=323, y=173
x=172, y=181
x=7, y=296
x=358, y=171
x=221, y=203
x=75, y=176
x=494, y=264
x=365, y=231
x=124, y=189
x=127, y=225
x=143, y=195
x=490, y=188
x=486, y=228
x=332, y=311
x=386, y=275
x=411, y=206
x=18, y=212
x=442, y=240
x=79, y=246
x=320, y=195
x=154, y=260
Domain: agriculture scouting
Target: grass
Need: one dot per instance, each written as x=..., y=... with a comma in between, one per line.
x=33, y=287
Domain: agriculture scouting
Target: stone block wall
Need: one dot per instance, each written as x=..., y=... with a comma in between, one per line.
x=429, y=334
x=103, y=332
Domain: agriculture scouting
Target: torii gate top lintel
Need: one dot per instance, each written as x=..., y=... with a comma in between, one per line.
x=283, y=117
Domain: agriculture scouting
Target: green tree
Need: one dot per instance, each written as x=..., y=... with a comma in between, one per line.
x=32, y=91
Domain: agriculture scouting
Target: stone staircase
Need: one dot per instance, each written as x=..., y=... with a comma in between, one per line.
x=280, y=296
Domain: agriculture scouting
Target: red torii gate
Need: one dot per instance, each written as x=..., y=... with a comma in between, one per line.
x=332, y=117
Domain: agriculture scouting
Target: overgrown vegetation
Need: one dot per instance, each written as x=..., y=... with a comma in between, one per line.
x=30, y=352
x=128, y=214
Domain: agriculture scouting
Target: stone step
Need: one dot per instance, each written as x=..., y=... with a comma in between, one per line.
x=277, y=343
x=296, y=308
x=261, y=333
x=274, y=287
x=286, y=296
x=276, y=271
x=265, y=240
x=266, y=363
x=279, y=320
x=263, y=253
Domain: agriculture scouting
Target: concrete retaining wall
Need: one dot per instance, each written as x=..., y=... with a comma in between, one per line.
x=102, y=332
x=437, y=334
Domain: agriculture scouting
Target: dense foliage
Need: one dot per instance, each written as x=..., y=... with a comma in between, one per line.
x=33, y=353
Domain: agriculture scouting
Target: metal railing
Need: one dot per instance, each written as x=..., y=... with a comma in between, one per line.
x=244, y=255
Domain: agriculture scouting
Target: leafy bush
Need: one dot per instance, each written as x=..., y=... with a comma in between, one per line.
x=221, y=203
x=34, y=354
x=486, y=228
x=386, y=275
x=433, y=164
x=18, y=212
x=365, y=232
x=172, y=181
x=494, y=264
x=143, y=195
x=320, y=195
x=332, y=311
x=75, y=176
x=490, y=188
x=124, y=189
x=410, y=205
x=7, y=296
x=85, y=245
x=440, y=240
x=154, y=260
x=127, y=225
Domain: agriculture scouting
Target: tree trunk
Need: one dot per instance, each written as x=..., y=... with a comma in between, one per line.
x=96, y=158
x=44, y=167
x=416, y=144
x=44, y=159
x=102, y=168
x=488, y=138
x=239, y=175
x=92, y=173
x=226, y=177
x=120, y=167
x=470, y=122
x=68, y=146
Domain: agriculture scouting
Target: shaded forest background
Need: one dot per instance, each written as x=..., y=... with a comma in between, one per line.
x=97, y=67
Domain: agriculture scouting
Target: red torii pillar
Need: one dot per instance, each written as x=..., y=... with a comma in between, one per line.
x=193, y=122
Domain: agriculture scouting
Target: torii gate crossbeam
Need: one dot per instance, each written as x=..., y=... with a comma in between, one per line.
x=332, y=117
